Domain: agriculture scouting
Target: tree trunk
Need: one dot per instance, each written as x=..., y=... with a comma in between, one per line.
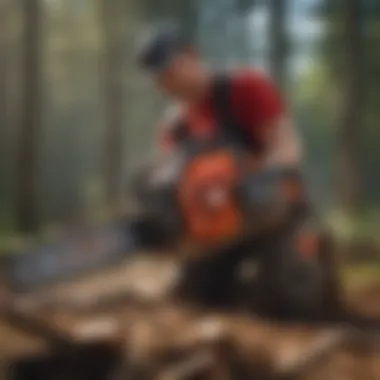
x=278, y=41
x=4, y=127
x=30, y=117
x=349, y=178
x=113, y=13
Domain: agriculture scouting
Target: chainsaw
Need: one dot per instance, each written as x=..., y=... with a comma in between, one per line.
x=193, y=200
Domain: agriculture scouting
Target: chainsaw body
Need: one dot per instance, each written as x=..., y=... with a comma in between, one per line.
x=212, y=197
x=191, y=201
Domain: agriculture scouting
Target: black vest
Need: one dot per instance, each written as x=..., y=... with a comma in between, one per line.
x=229, y=128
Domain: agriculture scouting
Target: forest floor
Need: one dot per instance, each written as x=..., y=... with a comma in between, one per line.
x=361, y=281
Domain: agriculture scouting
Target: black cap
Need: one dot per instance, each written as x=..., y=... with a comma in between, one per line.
x=159, y=45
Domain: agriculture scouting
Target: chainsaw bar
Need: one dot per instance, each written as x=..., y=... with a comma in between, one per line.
x=87, y=251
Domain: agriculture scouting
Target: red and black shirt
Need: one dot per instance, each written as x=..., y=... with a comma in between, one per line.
x=254, y=98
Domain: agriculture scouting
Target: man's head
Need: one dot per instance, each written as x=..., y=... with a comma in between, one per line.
x=174, y=63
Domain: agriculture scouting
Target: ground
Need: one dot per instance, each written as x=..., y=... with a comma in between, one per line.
x=149, y=278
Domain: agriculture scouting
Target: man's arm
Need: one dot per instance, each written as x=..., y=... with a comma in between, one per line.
x=283, y=143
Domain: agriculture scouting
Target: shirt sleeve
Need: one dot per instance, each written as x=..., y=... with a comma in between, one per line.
x=258, y=101
x=166, y=140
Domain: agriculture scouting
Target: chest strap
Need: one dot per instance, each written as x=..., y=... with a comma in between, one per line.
x=230, y=129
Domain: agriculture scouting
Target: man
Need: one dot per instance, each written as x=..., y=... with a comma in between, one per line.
x=179, y=71
x=249, y=108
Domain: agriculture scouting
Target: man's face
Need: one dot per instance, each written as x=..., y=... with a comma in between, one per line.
x=181, y=77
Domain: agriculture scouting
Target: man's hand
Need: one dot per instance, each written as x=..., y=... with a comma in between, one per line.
x=283, y=144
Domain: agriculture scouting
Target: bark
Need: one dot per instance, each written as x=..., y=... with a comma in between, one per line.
x=30, y=118
x=114, y=95
x=4, y=140
x=278, y=41
x=349, y=176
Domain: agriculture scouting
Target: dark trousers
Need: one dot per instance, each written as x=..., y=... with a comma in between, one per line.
x=287, y=284
x=211, y=281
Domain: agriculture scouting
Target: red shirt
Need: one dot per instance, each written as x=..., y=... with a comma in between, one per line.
x=255, y=100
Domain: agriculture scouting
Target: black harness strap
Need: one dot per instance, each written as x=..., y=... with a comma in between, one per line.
x=230, y=128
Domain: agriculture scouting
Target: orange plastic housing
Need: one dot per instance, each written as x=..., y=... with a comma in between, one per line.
x=208, y=200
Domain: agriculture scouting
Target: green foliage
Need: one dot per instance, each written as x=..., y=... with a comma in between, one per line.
x=184, y=11
x=244, y=6
x=363, y=226
x=315, y=109
x=331, y=51
x=356, y=276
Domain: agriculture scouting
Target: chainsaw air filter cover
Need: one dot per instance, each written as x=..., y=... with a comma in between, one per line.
x=224, y=197
x=208, y=198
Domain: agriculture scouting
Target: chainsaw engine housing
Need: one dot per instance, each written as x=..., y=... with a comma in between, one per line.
x=212, y=197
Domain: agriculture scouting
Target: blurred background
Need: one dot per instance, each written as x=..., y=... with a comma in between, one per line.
x=77, y=116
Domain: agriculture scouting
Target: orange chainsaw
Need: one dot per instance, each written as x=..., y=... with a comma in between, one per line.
x=199, y=199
